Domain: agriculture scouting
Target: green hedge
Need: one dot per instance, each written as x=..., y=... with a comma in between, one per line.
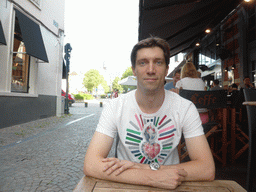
x=83, y=96
x=88, y=97
x=78, y=97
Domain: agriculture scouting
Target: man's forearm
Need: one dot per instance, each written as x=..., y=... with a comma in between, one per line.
x=139, y=174
x=197, y=170
x=201, y=166
x=136, y=175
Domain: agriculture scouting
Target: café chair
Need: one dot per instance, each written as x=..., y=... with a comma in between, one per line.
x=250, y=95
x=216, y=103
x=237, y=131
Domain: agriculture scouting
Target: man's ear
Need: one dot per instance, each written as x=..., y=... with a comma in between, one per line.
x=133, y=71
x=167, y=69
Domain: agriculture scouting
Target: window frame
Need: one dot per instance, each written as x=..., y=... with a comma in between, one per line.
x=38, y=5
x=33, y=70
x=25, y=66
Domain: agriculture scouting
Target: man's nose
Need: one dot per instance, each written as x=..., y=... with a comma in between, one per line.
x=151, y=68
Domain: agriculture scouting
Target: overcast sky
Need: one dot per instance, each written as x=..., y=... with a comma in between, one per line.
x=101, y=32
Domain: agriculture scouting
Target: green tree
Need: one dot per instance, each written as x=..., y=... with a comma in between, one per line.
x=92, y=79
x=105, y=86
x=115, y=85
x=128, y=72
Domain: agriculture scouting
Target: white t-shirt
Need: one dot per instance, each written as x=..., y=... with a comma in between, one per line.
x=150, y=137
x=192, y=84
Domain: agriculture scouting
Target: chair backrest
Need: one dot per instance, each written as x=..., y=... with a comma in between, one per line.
x=206, y=99
x=237, y=98
x=250, y=95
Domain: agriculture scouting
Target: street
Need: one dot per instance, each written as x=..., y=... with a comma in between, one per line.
x=52, y=159
x=48, y=154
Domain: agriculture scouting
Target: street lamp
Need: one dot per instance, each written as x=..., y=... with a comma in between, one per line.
x=68, y=49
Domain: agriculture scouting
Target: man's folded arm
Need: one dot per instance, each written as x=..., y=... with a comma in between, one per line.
x=94, y=166
x=201, y=165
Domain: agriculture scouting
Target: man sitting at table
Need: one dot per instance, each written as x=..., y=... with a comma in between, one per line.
x=247, y=84
x=150, y=121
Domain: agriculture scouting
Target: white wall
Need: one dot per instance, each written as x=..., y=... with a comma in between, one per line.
x=45, y=78
x=49, y=12
x=6, y=19
x=49, y=74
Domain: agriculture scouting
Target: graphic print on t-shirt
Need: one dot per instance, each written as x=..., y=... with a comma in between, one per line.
x=150, y=139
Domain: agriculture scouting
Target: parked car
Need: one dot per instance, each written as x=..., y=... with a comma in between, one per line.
x=71, y=98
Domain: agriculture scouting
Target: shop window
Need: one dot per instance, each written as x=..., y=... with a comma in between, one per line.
x=219, y=77
x=20, y=63
x=207, y=54
x=208, y=59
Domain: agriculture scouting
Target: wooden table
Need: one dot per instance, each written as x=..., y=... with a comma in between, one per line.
x=252, y=103
x=91, y=184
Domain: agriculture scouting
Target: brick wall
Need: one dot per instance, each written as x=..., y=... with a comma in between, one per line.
x=230, y=42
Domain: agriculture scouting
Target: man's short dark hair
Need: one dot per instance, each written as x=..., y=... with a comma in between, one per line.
x=216, y=82
x=151, y=42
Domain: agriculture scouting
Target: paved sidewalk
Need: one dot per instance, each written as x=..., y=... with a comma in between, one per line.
x=48, y=154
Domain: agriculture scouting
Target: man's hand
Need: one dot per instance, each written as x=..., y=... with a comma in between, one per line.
x=169, y=178
x=117, y=166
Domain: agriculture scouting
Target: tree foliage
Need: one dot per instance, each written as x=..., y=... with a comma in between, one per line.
x=128, y=72
x=105, y=86
x=115, y=85
x=92, y=79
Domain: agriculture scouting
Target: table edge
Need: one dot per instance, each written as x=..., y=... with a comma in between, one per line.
x=87, y=184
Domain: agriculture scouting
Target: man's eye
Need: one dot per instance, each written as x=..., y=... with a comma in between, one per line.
x=142, y=63
x=159, y=62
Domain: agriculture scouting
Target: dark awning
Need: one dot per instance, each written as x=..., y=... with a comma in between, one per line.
x=32, y=37
x=182, y=22
x=2, y=38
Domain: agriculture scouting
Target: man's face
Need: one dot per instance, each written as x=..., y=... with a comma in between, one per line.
x=247, y=81
x=150, y=69
x=176, y=78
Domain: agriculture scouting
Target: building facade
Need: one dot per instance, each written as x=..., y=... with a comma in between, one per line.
x=228, y=53
x=31, y=60
x=231, y=48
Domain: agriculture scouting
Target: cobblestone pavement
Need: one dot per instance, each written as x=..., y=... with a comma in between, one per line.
x=48, y=154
